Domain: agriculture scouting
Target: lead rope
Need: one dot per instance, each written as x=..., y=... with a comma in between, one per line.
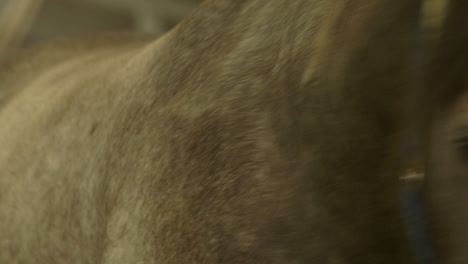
x=415, y=218
x=411, y=152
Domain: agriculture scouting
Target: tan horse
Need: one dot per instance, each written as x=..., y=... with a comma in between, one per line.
x=255, y=132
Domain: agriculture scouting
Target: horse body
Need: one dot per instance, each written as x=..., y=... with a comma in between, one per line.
x=254, y=132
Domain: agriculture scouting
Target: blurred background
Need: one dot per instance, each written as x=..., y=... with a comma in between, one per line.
x=23, y=22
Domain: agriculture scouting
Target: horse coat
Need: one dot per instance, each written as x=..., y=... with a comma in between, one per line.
x=263, y=132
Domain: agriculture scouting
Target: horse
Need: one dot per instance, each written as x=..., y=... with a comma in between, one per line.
x=255, y=132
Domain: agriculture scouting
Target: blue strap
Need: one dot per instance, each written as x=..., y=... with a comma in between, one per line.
x=419, y=235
